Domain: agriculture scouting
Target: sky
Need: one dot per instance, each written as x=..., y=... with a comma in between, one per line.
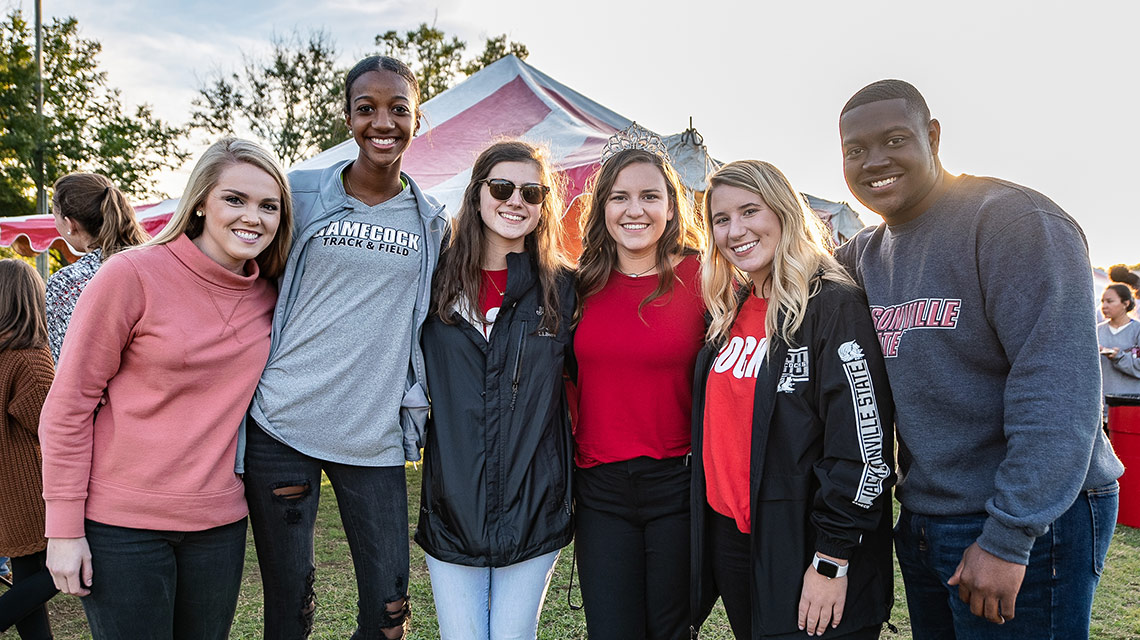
x=1043, y=93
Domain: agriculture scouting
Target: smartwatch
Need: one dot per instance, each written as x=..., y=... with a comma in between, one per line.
x=829, y=569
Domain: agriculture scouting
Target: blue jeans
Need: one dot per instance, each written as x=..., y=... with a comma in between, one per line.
x=490, y=603
x=283, y=488
x=1055, y=600
x=163, y=585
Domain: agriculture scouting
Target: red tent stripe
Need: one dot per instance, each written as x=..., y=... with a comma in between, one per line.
x=600, y=125
x=466, y=134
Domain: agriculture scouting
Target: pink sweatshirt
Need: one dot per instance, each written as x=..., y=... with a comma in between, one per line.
x=174, y=344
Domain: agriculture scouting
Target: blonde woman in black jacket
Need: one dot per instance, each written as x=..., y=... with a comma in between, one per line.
x=792, y=416
x=495, y=507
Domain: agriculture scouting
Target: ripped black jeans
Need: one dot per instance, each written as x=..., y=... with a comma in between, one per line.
x=282, y=487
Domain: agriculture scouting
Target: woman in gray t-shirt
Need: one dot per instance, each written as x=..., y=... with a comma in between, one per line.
x=344, y=390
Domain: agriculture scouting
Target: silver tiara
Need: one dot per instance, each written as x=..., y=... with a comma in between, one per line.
x=635, y=136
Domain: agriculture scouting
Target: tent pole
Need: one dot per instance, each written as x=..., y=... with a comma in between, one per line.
x=42, y=259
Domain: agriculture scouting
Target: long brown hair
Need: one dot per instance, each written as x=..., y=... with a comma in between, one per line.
x=103, y=212
x=458, y=280
x=221, y=155
x=683, y=234
x=23, y=319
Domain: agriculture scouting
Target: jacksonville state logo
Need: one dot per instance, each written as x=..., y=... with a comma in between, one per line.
x=924, y=313
x=868, y=421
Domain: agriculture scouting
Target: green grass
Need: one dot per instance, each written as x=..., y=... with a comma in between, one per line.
x=1116, y=614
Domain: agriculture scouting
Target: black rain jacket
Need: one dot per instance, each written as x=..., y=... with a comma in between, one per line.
x=497, y=460
x=822, y=467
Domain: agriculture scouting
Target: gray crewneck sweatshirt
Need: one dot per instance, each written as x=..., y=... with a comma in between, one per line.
x=983, y=313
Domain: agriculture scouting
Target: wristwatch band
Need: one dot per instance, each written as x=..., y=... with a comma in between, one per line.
x=829, y=569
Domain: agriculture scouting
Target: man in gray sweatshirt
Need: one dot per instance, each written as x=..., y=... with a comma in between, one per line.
x=979, y=291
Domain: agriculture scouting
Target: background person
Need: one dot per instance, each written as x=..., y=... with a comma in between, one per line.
x=1007, y=483
x=641, y=325
x=344, y=391
x=25, y=376
x=791, y=393
x=495, y=503
x=146, y=517
x=1119, y=340
x=95, y=219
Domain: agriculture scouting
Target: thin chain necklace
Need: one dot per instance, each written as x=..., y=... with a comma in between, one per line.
x=492, y=281
x=638, y=275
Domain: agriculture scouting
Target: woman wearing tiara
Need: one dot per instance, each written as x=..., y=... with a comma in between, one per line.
x=792, y=446
x=640, y=325
x=494, y=346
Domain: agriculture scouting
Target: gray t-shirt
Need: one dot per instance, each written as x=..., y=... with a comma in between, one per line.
x=333, y=388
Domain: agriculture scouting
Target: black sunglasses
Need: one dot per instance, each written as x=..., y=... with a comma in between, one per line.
x=500, y=189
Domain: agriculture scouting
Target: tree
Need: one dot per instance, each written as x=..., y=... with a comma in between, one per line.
x=437, y=60
x=495, y=48
x=292, y=100
x=85, y=126
x=433, y=58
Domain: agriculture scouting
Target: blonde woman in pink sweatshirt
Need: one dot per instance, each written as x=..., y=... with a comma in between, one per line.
x=146, y=518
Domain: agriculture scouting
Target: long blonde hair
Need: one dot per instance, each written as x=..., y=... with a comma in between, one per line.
x=222, y=154
x=683, y=234
x=802, y=259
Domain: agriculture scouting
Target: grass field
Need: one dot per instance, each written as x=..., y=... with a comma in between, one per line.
x=1116, y=612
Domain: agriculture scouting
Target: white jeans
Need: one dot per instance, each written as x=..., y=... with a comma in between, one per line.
x=490, y=603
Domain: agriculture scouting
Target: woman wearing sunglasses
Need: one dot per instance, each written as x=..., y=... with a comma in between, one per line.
x=641, y=326
x=495, y=507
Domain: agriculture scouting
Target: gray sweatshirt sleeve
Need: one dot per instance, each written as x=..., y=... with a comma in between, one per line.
x=1126, y=360
x=1035, y=276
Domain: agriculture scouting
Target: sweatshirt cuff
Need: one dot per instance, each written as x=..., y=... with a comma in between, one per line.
x=833, y=547
x=64, y=518
x=1011, y=544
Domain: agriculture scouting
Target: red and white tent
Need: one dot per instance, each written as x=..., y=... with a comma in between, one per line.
x=508, y=99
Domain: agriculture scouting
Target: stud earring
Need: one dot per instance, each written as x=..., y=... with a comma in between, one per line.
x=199, y=213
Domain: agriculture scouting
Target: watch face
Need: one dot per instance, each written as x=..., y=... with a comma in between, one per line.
x=826, y=568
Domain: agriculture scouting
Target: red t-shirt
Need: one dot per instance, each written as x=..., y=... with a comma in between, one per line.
x=729, y=397
x=635, y=372
x=491, y=292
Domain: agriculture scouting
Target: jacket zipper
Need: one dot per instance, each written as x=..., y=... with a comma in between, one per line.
x=518, y=366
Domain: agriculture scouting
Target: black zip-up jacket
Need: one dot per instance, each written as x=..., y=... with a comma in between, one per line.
x=822, y=467
x=496, y=477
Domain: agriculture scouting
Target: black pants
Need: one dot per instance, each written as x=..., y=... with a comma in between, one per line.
x=164, y=585
x=373, y=505
x=728, y=550
x=23, y=604
x=632, y=541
